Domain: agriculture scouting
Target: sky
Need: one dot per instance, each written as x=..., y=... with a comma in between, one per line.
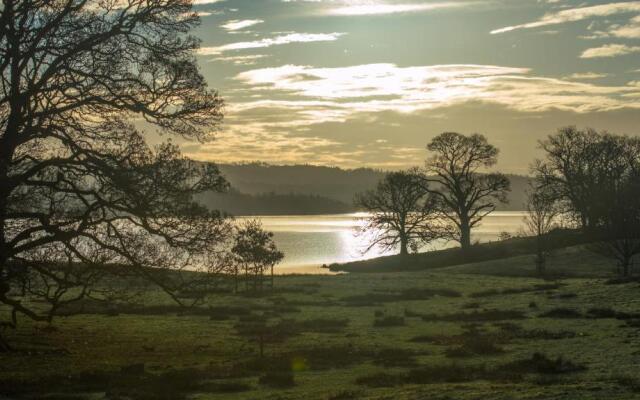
x=355, y=83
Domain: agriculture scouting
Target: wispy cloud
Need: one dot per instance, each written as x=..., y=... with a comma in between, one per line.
x=610, y=50
x=587, y=75
x=198, y=2
x=275, y=41
x=241, y=60
x=235, y=24
x=576, y=14
x=629, y=31
x=377, y=8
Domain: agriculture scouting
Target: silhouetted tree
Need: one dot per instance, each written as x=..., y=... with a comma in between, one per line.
x=580, y=170
x=465, y=195
x=542, y=217
x=402, y=212
x=255, y=251
x=75, y=176
x=595, y=176
x=619, y=233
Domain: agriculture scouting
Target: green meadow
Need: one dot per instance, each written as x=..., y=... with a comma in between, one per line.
x=489, y=330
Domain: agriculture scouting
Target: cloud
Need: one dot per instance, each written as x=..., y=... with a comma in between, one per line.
x=235, y=24
x=628, y=31
x=610, y=50
x=576, y=14
x=320, y=94
x=199, y=2
x=241, y=60
x=275, y=41
x=378, y=8
x=587, y=75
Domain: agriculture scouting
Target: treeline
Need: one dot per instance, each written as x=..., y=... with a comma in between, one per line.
x=588, y=180
x=237, y=203
x=311, y=189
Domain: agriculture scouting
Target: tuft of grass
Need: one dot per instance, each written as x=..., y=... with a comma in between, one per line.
x=380, y=379
x=395, y=357
x=475, y=345
x=388, y=321
x=541, y=364
x=562, y=313
x=409, y=294
x=477, y=316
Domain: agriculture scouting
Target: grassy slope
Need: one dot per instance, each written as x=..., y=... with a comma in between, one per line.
x=483, y=252
x=95, y=344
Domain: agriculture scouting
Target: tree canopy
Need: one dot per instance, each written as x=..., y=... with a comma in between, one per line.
x=81, y=80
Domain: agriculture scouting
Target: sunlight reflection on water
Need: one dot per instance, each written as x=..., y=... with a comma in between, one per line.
x=309, y=241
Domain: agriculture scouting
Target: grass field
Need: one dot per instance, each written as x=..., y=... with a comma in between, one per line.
x=478, y=331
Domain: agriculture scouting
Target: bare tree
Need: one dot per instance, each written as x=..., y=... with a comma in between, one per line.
x=402, y=212
x=579, y=169
x=256, y=252
x=75, y=174
x=619, y=234
x=542, y=217
x=465, y=194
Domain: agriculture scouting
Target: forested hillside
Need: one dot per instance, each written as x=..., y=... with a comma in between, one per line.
x=264, y=189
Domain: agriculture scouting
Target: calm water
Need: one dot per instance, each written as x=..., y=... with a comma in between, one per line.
x=309, y=241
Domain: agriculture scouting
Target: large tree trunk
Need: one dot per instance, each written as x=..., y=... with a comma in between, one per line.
x=404, y=246
x=465, y=233
x=4, y=346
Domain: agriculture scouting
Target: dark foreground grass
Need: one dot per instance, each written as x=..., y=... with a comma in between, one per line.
x=414, y=335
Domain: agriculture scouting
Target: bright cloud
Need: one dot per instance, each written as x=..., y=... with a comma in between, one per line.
x=610, y=50
x=587, y=75
x=383, y=8
x=387, y=87
x=275, y=41
x=241, y=60
x=235, y=24
x=629, y=31
x=576, y=14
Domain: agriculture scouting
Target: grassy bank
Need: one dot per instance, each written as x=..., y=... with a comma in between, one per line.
x=464, y=332
x=513, y=247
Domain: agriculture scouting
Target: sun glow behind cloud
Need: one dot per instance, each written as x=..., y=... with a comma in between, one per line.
x=387, y=87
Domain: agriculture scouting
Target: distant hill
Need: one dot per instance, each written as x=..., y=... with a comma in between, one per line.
x=237, y=203
x=260, y=188
x=334, y=183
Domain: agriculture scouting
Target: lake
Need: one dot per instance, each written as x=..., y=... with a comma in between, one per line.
x=309, y=241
